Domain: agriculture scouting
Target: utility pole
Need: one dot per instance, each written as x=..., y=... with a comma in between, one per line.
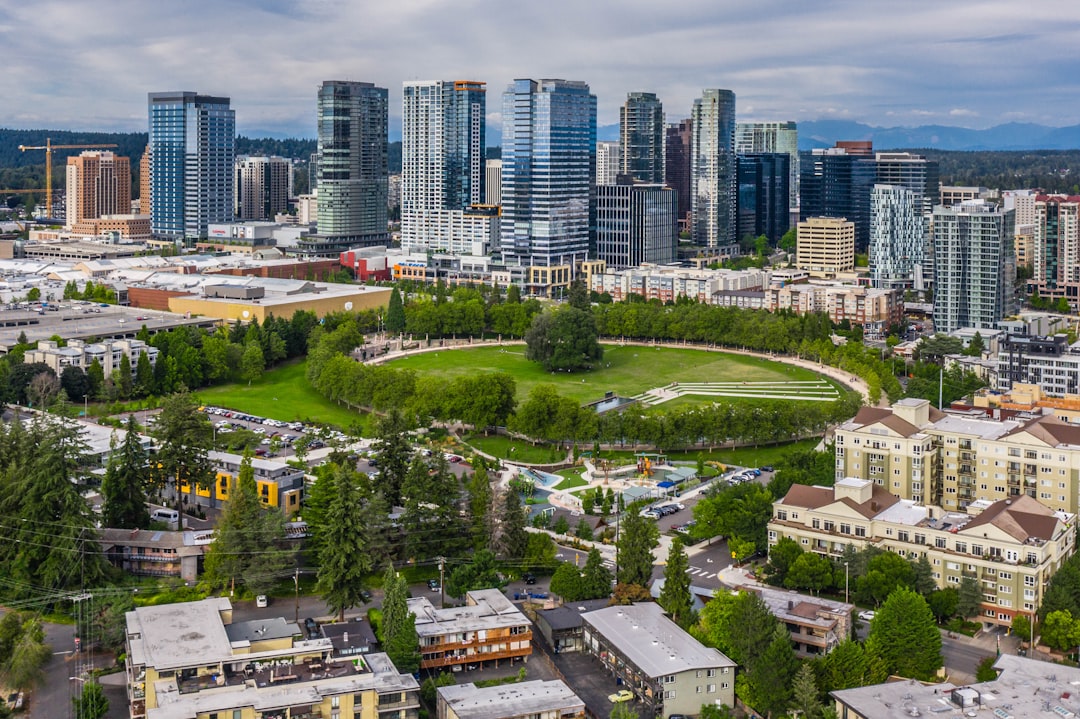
x=442, y=582
x=846, y=573
x=941, y=387
x=296, y=585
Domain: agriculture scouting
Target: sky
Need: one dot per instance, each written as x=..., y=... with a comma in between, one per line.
x=88, y=64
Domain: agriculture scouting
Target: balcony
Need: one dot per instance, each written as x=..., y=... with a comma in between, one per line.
x=427, y=662
x=473, y=644
x=411, y=701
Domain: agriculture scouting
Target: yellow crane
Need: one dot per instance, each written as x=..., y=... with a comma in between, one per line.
x=48, y=147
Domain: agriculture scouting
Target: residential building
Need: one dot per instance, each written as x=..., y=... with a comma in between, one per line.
x=278, y=484
x=641, y=137
x=713, y=172
x=262, y=187
x=875, y=310
x=816, y=624
x=110, y=354
x=549, y=172
x=1055, y=249
x=635, y=224
x=668, y=670
x=668, y=284
x=763, y=195
x=825, y=246
x=352, y=177
x=1023, y=688
x=1022, y=203
x=153, y=553
x=974, y=265
x=562, y=626
x=1050, y=363
x=1027, y=399
x=608, y=162
x=144, y=182
x=192, y=155
x=898, y=237
x=955, y=194
x=350, y=638
x=529, y=700
x=757, y=137
x=1012, y=546
x=952, y=459
x=492, y=182
x=307, y=209
x=489, y=628
x=677, y=167
x=912, y=172
x=191, y=661
x=836, y=182
x=98, y=184
x=443, y=171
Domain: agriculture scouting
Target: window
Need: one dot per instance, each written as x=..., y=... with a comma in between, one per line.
x=1029, y=581
x=712, y=689
x=670, y=694
x=939, y=542
x=710, y=673
x=781, y=515
x=829, y=526
x=697, y=689
x=903, y=536
x=976, y=549
x=961, y=547
x=920, y=539
x=860, y=531
x=845, y=528
x=816, y=523
x=335, y=702
x=669, y=679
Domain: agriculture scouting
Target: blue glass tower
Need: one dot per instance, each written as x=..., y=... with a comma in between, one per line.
x=549, y=172
x=192, y=153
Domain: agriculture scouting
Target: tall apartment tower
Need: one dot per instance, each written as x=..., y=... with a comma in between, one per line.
x=549, y=172
x=608, y=162
x=98, y=183
x=836, y=182
x=898, y=237
x=442, y=168
x=1055, y=252
x=756, y=137
x=713, y=171
x=144, y=182
x=974, y=265
x=493, y=182
x=263, y=186
x=192, y=155
x=764, y=191
x=914, y=172
x=641, y=137
x=677, y=167
x=635, y=223
x=352, y=178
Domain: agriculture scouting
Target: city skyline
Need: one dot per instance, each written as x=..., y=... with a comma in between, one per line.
x=904, y=64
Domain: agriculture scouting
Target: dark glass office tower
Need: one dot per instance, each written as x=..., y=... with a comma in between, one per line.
x=641, y=126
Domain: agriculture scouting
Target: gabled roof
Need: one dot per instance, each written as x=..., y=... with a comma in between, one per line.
x=1051, y=430
x=1021, y=517
x=801, y=495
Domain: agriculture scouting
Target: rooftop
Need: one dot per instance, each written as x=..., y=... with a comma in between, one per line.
x=258, y=630
x=790, y=606
x=568, y=616
x=174, y=635
x=654, y=643
x=510, y=700
x=485, y=609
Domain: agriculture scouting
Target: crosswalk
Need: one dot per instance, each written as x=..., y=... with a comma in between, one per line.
x=698, y=571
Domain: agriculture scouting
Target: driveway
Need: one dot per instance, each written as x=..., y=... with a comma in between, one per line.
x=590, y=681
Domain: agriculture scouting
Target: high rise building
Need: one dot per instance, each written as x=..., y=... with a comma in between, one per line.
x=974, y=266
x=263, y=186
x=641, y=137
x=192, y=154
x=825, y=246
x=443, y=170
x=713, y=172
x=914, y=172
x=763, y=195
x=144, y=182
x=1055, y=248
x=352, y=178
x=493, y=182
x=1023, y=203
x=898, y=237
x=549, y=172
x=635, y=223
x=677, y=167
x=755, y=137
x=608, y=162
x=98, y=183
x=836, y=182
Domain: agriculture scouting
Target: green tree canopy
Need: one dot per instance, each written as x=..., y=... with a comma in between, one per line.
x=904, y=636
x=123, y=487
x=638, y=536
x=675, y=596
x=564, y=340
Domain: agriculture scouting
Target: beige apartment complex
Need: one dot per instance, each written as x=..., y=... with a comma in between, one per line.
x=98, y=183
x=825, y=246
x=489, y=628
x=953, y=459
x=1012, y=546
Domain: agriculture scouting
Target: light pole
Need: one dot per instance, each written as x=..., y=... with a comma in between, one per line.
x=846, y=575
x=85, y=406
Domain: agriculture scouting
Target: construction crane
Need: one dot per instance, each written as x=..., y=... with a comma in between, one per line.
x=48, y=147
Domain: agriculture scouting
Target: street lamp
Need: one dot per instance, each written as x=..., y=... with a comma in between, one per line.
x=846, y=575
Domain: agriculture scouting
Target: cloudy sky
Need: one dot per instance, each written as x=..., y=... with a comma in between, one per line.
x=88, y=64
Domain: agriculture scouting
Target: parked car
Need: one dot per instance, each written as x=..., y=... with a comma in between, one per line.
x=312, y=627
x=262, y=601
x=623, y=695
x=766, y=468
x=433, y=585
x=866, y=615
x=529, y=578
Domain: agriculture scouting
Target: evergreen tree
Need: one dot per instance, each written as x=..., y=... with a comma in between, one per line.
x=675, y=596
x=480, y=507
x=638, y=537
x=144, y=376
x=184, y=435
x=392, y=451
x=562, y=525
x=395, y=313
x=399, y=638
x=91, y=702
x=769, y=679
x=431, y=496
x=584, y=530
x=969, y=596
x=903, y=634
x=924, y=575
x=96, y=374
x=123, y=488
x=512, y=535
x=124, y=377
x=344, y=557
x=567, y=582
x=805, y=696
x=596, y=578
x=481, y=573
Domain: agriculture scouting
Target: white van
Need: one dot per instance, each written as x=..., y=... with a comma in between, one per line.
x=170, y=516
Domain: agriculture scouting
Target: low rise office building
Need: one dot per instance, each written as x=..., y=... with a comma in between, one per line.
x=278, y=484
x=489, y=628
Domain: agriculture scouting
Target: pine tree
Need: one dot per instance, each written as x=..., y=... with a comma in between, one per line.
x=399, y=638
x=596, y=578
x=184, y=435
x=124, y=378
x=344, y=558
x=96, y=374
x=480, y=507
x=395, y=313
x=805, y=695
x=675, y=596
x=144, y=376
x=392, y=450
x=123, y=487
x=638, y=537
x=969, y=597
x=770, y=677
x=924, y=576
x=512, y=535
x=903, y=634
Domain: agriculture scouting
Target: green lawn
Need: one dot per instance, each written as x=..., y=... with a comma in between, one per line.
x=282, y=393
x=516, y=450
x=573, y=479
x=741, y=456
x=626, y=371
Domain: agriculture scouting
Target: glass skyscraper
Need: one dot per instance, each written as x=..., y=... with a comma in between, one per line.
x=641, y=128
x=713, y=171
x=192, y=152
x=353, y=180
x=549, y=171
x=898, y=237
x=764, y=191
x=754, y=137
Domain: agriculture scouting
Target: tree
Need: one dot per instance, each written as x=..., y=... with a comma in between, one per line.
x=124, y=376
x=75, y=383
x=577, y=295
x=810, y=571
x=638, y=537
x=781, y=556
x=91, y=702
x=1021, y=626
x=247, y=545
x=969, y=596
x=848, y=665
x=344, y=550
x=742, y=511
x=480, y=573
x=512, y=535
x=769, y=678
x=903, y=634
x=34, y=294
x=562, y=525
x=564, y=340
x=805, y=695
x=144, y=376
x=624, y=594
x=985, y=671
x=184, y=437
x=924, y=575
x=395, y=313
x=584, y=530
x=943, y=603
x=399, y=638
x=23, y=668
x=675, y=596
x=540, y=551
x=623, y=710
x=567, y=582
x=252, y=362
x=392, y=450
x=123, y=488
x=1060, y=631
x=42, y=390
x=479, y=488
x=596, y=578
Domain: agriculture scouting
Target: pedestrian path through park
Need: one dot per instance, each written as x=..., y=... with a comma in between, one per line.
x=819, y=390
